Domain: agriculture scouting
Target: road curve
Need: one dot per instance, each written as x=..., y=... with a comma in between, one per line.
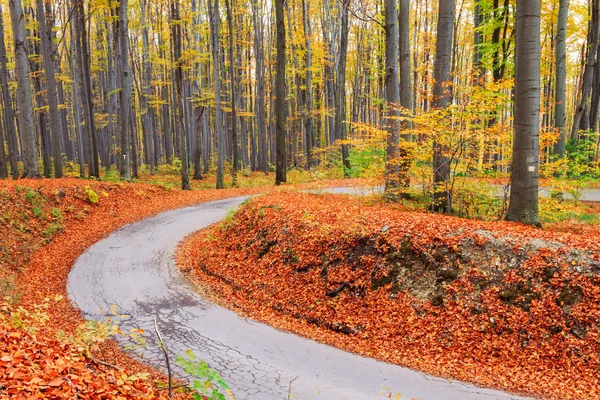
x=134, y=269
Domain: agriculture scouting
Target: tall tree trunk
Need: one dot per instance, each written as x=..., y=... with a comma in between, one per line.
x=396, y=166
x=149, y=115
x=234, y=134
x=309, y=124
x=523, y=205
x=177, y=37
x=84, y=69
x=54, y=113
x=588, y=75
x=442, y=198
x=25, y=106
x=280, y=151
x=7, y=107
x=215, y=23
x=340, y=87
x=260, y=109
x=406, y=100
x=125, y=94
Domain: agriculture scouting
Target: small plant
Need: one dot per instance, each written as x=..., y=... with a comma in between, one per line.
x=56, y=213
x=92, y=197
x=37, y=212
x=209, y=383
x=52, y=230
x=31, y=195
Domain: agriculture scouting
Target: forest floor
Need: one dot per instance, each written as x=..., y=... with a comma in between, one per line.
x=46, y=348
x=494, y=303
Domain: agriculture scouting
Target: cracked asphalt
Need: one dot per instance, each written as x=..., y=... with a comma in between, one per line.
x=134, y=271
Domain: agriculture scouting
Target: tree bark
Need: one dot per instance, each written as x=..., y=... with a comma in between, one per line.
x=84, y=69
x=406, y=100
x=588, y=75
x=234, y=134
x=340, y=87
x=523, y=205
x=442, y=198
x=561, y=78
x=280, y=139
x=54, y=113
x=396, y=165
x=259, y=54
x=215, y=23
x=7, y=107
x=309, y=123
x=25, y=106
x=125, y=83
x=180, y=98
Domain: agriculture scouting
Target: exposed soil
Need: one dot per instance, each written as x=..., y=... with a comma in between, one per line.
x=497, y=304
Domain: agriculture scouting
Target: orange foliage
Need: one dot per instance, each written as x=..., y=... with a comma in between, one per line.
x=40, y=255
x=498, y=304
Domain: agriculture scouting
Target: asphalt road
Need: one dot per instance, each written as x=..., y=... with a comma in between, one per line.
x=134, y=271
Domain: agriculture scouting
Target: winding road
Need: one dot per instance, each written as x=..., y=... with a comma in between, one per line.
x=134, y=270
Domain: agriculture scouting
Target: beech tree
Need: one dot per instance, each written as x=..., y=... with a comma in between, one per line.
x=280, y=144
x=25, y=107
x=442, y=197
x=524, y=204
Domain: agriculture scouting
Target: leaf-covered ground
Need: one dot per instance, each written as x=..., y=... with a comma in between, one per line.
x=494, y=303
x=45, y=226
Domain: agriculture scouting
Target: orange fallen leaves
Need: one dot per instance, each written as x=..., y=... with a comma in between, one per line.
x=46, y=225
x=498, y=304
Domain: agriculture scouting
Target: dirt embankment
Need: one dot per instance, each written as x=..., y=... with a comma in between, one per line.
x=497, y=304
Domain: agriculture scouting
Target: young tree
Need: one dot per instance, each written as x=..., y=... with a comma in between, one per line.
x=561, y=77
x=47, y=54
x=523, y=205
x=280, y=142
x=442, y=198
x=25, y=106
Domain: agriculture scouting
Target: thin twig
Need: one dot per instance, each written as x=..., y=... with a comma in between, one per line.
x=164, y=349
x=290, y=387
x=100, y=362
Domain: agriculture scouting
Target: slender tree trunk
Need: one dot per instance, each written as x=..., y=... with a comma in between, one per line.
x=215, y=23
x=280, y=151
x=523, y=205
x=234, y=134
x=340, y=90
x=149, y=116
x=125, y=83
x=177, y=37
x=84, y=69
x=54, y=113
x=7, y=107
x=406, y=100
x=588, y=76
x=25, y=106
x=442, y=198
x=396, y=165
x=309, y=124
x=259, y=54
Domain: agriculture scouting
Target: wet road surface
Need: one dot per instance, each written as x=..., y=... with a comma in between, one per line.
x=134, y=271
